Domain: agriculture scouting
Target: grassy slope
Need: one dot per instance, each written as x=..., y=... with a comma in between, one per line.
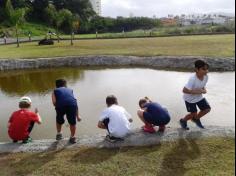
x=216, y=45
x=213, y=156
x=35, y=29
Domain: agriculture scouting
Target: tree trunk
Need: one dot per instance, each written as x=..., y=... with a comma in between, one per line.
x=17, y=39
x=58, y=39
x=71, y=40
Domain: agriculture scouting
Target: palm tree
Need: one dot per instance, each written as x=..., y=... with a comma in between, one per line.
x=17, y=18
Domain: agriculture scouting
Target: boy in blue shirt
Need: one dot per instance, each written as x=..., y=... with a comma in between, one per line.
x=153, y=114
x=193, y=95
x=65, y=104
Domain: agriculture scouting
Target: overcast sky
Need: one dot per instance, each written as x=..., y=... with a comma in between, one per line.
x=162, y=8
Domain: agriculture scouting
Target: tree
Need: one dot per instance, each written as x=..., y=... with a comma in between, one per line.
x=82, y=8
x=74, y=25
x=17, y=19
x=63, y=15
x=38, y=9
x=5, y=12
x=19, y=4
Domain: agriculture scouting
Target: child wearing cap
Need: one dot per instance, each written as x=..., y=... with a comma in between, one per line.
x=22, y=121
x=65, y=104
x=153, y=114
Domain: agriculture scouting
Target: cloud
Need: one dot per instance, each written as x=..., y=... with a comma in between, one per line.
x=162, y=8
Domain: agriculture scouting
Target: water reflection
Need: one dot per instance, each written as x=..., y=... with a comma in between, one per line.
x=91, y=86
x=37, y=81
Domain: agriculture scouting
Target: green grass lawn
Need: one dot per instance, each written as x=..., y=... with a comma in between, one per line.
x=212, y=45
x=190, y=157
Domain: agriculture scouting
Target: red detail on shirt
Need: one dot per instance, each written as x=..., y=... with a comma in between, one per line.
x=20, y=122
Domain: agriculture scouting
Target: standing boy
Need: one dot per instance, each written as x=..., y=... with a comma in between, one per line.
x=193, y=95
x=115, y=119
x=22, y=121
x=65, y=104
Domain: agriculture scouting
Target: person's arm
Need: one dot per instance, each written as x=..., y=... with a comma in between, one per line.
x=54, y=99
x=78, y=116
x=194, y=91
x=101, y=125
x=103, y=116
x=10, y=120
x=128, y=116
x=39, y=117
x=189, y=87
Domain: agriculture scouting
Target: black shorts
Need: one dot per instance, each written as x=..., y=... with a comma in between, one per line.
x=69, y=111
x=157, y=121
x=202, y=105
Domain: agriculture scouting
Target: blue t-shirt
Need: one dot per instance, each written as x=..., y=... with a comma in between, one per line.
x=64, y=97
x=157, y=111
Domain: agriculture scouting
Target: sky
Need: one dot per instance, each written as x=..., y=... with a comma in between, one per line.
x=161, y=8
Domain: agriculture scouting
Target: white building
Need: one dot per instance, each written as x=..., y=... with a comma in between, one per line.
x=97, y=6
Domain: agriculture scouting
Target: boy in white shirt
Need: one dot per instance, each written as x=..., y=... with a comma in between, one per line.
x=193, y=95
x=115, y=119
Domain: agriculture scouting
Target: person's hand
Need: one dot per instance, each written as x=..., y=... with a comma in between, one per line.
x=36, y=111
x=204, y=91
x=78, y=118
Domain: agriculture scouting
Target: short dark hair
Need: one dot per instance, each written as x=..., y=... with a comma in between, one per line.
x=142, y=101
x=60, y=83
x=110, y=100
x=24, y=104
x=201, y=64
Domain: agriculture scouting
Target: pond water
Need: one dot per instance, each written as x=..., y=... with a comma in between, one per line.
x=91, y=86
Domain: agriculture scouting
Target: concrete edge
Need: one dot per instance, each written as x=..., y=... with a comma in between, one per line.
x=136, y=138
x=184, y=63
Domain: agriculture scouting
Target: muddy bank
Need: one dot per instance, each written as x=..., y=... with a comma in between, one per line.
x=160, y=62
x=136, y=138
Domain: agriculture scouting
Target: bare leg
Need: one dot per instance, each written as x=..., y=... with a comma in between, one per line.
x=72, y=130
x=140, y=115
x=59, y=128
x=190, y=116
x=202, y=113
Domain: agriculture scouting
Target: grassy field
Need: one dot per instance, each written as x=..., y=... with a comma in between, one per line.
x=212, y=156
x=213, y=45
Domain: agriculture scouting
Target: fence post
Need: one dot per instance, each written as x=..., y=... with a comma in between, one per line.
x=29, y=37
x=5, y=39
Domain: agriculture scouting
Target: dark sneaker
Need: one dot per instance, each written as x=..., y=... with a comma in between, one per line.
x=28, y=140
x=183, y=124
x=72, y=140
x=113, y=139
x=59, y=137
x=198, y=123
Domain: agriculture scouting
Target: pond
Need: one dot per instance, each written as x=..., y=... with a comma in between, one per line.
x=92, y=85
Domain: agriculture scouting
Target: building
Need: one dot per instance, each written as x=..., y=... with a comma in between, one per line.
x=168, y=21
x=97, y=6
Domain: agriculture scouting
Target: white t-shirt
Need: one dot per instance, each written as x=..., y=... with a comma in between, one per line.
x=195, y=83
x=119, y=125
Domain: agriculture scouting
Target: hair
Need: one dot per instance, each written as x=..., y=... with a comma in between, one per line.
x=60, y=83
x=144, y=101
x=110, y=100
x=24, y=105
x=201, y=64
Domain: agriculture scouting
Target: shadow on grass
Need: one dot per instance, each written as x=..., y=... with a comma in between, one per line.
x=186, y=150
x=27, y=165
x=94, y=155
